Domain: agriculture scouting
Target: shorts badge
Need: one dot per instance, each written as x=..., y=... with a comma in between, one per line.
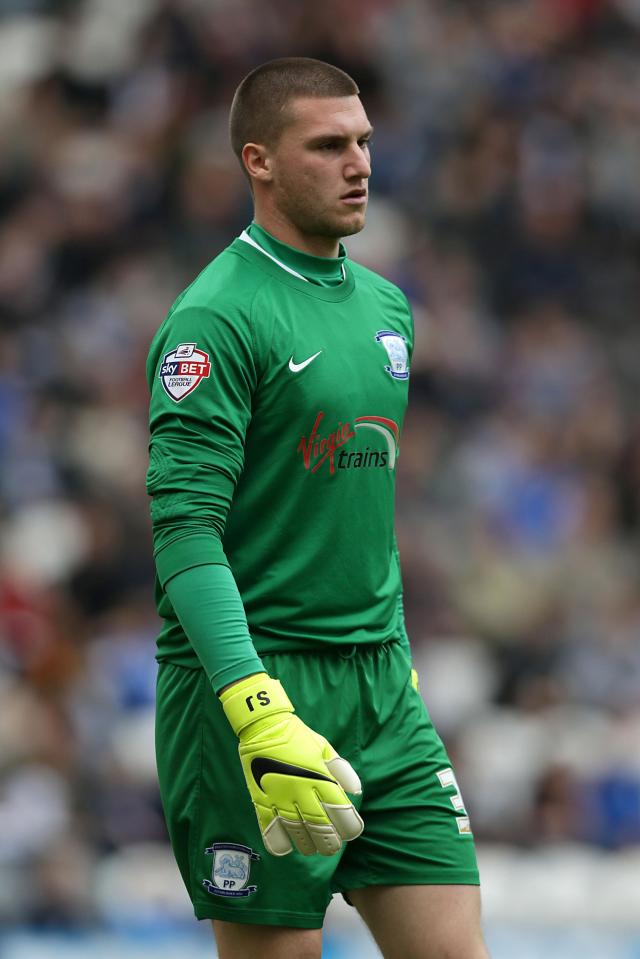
x=396, y=346
x=183, y=369
x=230, y=870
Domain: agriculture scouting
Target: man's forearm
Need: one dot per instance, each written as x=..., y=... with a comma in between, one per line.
x=207, y=603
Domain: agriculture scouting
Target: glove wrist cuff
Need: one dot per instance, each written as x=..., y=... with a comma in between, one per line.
x=252, y=699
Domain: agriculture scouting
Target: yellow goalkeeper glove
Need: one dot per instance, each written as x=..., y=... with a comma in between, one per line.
x=295, y=777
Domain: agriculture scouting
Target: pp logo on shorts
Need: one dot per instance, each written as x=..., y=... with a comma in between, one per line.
x=183, y=369
x=230, y=870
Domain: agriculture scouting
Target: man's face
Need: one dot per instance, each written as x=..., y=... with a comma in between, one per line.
x=321, y=166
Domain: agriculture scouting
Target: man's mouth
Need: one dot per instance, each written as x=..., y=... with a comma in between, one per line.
x=356, y=196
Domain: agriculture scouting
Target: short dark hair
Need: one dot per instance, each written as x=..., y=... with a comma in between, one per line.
x=259, y=111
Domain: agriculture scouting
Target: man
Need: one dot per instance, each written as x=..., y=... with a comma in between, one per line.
x=279, y=383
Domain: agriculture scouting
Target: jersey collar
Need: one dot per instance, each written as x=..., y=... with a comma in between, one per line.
x=321, y=270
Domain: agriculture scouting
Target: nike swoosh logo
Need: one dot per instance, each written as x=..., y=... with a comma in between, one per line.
x=261, y=765
x=296, y=367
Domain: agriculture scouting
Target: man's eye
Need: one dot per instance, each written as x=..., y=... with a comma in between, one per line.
x=330, y=145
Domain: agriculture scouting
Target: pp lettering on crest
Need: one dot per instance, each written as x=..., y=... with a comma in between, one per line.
x=396, y=346
x=231, y=870
x=183, y=369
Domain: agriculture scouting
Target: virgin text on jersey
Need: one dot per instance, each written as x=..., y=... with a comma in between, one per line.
x=317, y=449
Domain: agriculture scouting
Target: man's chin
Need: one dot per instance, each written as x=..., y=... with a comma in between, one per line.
x=350, y=224
x=355, y=227
x=338, y=226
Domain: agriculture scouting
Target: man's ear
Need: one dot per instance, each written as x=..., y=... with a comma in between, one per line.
x=257, y=161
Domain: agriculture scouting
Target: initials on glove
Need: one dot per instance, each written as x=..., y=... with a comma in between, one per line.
x=296, y=779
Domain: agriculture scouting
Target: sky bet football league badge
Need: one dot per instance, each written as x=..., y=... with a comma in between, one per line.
x=230, y=870
x=183, y=369
x=396, y=348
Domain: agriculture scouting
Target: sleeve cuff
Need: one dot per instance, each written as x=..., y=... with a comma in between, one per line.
x=192, y=549
x=231, y=674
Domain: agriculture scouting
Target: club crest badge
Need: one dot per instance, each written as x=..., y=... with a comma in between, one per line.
x=183, y=369
x=230, y=870
x=396, y=346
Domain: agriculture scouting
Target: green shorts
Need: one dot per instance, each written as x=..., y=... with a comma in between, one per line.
x=416, y=829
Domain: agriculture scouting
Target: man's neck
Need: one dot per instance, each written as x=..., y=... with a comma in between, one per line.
x=286, y=232
x=320, y=270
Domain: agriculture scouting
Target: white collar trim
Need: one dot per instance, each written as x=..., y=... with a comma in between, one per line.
x=249, y=239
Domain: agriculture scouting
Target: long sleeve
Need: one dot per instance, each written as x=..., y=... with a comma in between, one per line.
x=208, y=605
x=202, y=376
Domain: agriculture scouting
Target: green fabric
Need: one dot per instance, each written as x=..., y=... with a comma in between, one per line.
x=210, y=611
x=325, y=271
x=186, y=550
x=403, y=636
x=285, y=472
x=366, y=708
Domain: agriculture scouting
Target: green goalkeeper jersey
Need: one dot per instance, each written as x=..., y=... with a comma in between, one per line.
x=277, y=403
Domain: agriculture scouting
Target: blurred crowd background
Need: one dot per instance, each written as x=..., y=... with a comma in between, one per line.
x=506, y=203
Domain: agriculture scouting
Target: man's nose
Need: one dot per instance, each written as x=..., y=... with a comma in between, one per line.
x=359, y=163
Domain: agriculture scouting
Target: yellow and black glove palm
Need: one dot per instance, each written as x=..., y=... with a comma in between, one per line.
x=295, y=777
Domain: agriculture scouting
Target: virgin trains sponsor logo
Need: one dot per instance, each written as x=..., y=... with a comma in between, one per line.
x=183, y=369
x=321, y=447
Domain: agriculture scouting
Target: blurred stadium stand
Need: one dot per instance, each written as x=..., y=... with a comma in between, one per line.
x=506, y=202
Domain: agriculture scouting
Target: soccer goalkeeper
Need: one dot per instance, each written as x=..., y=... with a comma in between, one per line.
x=295, y=756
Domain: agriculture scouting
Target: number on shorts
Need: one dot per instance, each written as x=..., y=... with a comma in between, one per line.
x=448, y=780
